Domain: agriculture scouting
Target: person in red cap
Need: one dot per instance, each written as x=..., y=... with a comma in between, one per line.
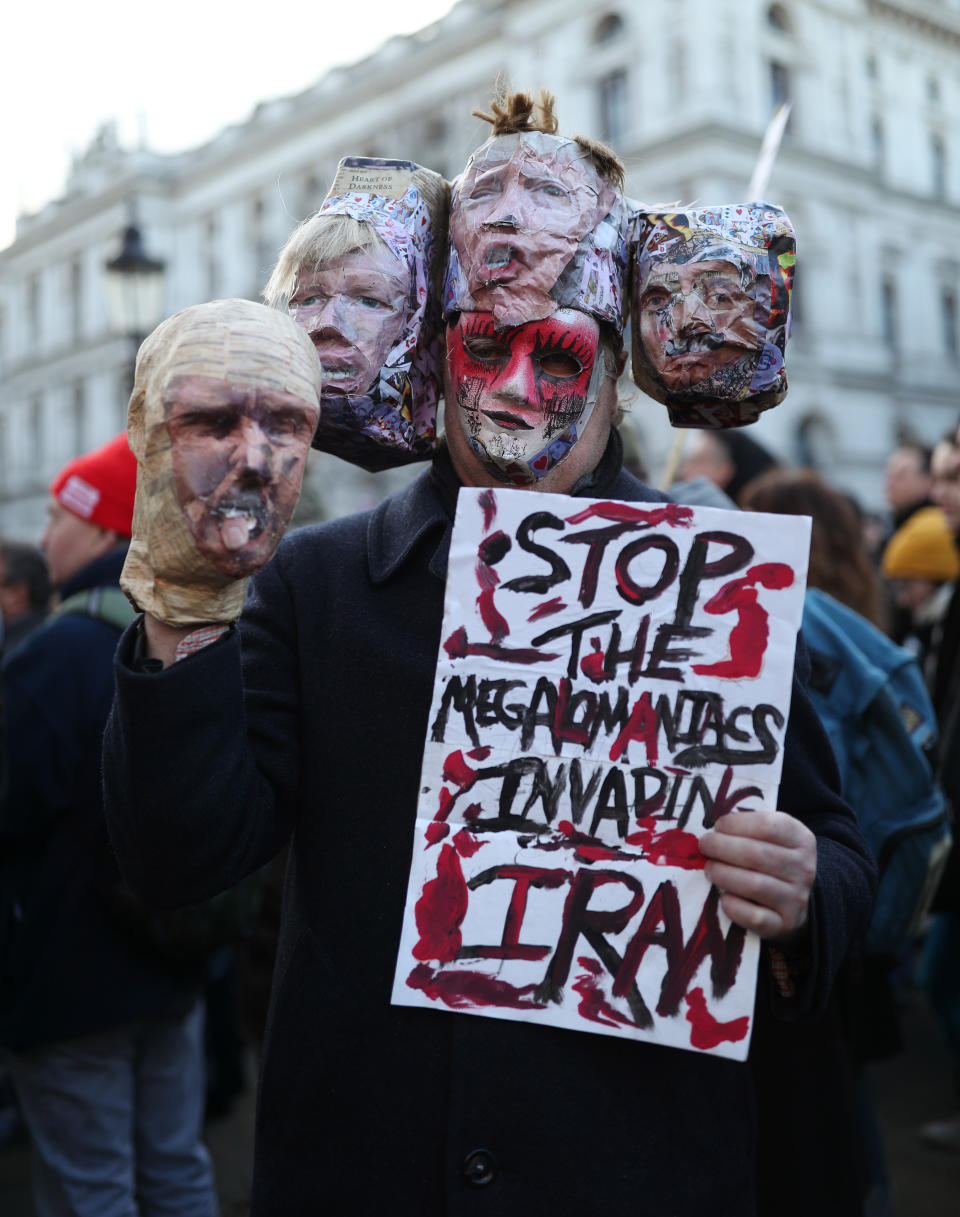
x=97, y=1019
x=91, y=508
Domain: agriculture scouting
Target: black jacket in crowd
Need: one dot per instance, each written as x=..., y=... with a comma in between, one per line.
x=71, y=959
x=310, y=720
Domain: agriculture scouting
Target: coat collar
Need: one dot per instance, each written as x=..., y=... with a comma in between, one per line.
x=101, y=571
x=398, y=526
x=401, y=523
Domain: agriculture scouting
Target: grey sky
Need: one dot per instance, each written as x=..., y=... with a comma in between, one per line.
x=177, y=71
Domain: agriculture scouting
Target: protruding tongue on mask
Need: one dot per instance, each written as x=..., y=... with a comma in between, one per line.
x=234, y=532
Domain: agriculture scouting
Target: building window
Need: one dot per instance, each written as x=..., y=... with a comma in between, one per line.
x=210, y=237
x=777, y=18
x=75, y=292
x=433, y=137
x=612, y=105
x=434, y=131
x=123, y=391
x=888, y=313
x=311, y=196
x=608, y=29
x=37, y=454
x=33, y=308
x=677, y=66
x=79, y=438
x=948, y=319
x=780, y=90
x=257, y=239
x=938, y=166
x=816, y=443
x=877, y=142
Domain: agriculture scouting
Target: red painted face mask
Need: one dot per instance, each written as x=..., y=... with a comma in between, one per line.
x=524, y=395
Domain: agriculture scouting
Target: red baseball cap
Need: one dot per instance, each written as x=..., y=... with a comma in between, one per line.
x=100, y=486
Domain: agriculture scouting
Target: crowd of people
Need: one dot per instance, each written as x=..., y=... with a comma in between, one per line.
x=239, y=681
x=906, y=585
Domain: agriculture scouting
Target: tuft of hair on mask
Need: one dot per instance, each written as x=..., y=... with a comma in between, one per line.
x=606, y=162
x=516, y=113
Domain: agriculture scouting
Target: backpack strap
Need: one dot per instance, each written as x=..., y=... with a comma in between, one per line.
x=107, y=604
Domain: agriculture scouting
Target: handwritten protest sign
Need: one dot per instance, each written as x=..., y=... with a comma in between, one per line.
x=612, y=678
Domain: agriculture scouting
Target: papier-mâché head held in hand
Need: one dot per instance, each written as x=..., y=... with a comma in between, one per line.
x=710, y=295
x=225, y=402
x=362, y=278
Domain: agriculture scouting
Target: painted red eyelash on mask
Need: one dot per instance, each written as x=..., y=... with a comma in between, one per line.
x=478, y=325
x=570, y=344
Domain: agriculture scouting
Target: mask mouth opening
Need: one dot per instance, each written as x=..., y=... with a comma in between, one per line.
x=499, y=255
x=250, y=511
x=339, y=372
x=693, y=345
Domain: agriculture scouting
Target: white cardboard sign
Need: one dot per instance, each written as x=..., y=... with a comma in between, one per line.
x=611, y=678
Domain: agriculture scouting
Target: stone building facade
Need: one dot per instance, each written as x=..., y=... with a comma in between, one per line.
x=869, y=172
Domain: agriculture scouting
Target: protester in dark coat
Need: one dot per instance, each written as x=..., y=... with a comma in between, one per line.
x=353, y=1087
x=921, y=562
x=24, y=592
x=82, y=969
x=95, y=1015
x=941, y=964
x=308, y=723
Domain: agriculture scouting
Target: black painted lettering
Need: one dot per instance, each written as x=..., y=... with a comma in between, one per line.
x=696, y=568
x=559, y=571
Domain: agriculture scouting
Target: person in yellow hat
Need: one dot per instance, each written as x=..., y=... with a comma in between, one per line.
x=922, y=563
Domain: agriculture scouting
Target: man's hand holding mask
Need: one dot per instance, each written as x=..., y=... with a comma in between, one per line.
x=225, y=403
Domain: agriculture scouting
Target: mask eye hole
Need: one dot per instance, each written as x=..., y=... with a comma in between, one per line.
x=486, y=349
x=560, y=364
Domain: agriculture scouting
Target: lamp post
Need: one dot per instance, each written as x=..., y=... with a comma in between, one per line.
x=133, y=286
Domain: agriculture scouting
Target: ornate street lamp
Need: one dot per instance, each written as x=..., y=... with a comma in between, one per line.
x=134, y=289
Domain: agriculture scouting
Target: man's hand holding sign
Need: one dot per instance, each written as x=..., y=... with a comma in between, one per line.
x=765, y=865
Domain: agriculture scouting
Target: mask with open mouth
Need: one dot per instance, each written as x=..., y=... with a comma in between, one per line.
x=711, y=294
x=354, y=312
x=534, y=227
x=372, y=309
x=239, y=521
x=225, y=403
